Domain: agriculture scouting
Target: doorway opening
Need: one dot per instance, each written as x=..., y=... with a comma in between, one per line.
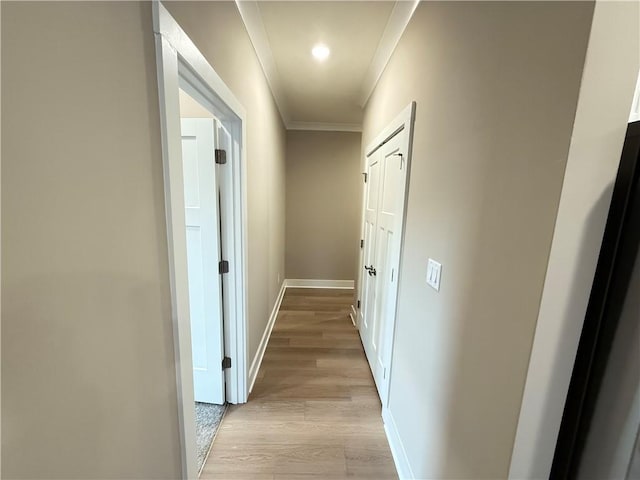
x=203, y=135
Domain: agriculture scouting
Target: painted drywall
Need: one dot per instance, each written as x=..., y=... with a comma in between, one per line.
x=190, y=108
x=217, y=30
x=496, y=86
x=88, y=372
x=88, y=375
x=605, y=99
x=323, y=198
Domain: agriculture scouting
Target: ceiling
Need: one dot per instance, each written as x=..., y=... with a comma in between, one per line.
x=324, y=95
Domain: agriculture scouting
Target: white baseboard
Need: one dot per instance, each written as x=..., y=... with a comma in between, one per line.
x=397, y=448
x=310, y=283
x=257, y=360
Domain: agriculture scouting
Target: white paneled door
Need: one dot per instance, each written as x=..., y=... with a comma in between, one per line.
x=203, y=256
x=384, y=197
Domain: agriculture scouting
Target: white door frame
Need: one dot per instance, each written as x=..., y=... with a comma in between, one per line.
x=181, y=65
x=401, y=125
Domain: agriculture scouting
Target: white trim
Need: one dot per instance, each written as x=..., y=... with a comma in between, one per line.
x=178, y=275
x=398, y=452
x=257, y=360
x=396, y=25
x=403, y=120
x=168, y=28
x=310, y=283
x=262, y=347
x=325, y=127
x=634, y=116
x=180, y=64
x=252, y=18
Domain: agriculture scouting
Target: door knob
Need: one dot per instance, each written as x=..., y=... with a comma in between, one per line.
x=371, y=270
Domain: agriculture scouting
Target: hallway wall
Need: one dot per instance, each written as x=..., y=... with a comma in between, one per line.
x=496, y=86
x=606, y=93
x=88, y=372
x=323, y=200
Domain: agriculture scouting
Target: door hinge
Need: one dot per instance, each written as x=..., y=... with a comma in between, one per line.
x=361, y=243
x=226, y=363
x=364, y=174
x=223, y=267
x=221, y=156
x=358, y=304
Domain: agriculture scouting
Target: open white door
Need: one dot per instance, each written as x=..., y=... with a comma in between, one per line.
x=203, y=256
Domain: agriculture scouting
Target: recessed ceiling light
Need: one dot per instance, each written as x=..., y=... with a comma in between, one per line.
x=320, y=52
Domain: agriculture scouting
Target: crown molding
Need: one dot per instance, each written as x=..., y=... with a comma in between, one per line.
x=396, y=25
x=252, y=18
x=325, y=127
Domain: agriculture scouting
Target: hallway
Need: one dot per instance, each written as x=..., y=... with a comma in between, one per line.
x=314, y=411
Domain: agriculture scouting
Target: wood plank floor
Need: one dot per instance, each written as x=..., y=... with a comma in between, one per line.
x=314, y=412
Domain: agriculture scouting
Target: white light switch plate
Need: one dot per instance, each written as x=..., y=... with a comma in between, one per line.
x=434, y=270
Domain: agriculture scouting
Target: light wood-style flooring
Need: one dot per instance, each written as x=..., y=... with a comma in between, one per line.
x=314, y=412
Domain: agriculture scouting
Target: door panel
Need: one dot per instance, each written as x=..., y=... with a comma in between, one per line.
x=203, y=255
x=371, y=210
x=383, y=222
x=385, y=240
x=196, y=296
x=389, y=222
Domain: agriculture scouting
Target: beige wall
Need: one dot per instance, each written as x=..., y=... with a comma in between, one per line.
x=496, y=86
x=190, y=108
x=323, y=205
x=88, y=375
x=606, y=93
x=217, y=30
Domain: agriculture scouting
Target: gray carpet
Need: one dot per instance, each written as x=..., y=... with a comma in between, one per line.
x=208, y=418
